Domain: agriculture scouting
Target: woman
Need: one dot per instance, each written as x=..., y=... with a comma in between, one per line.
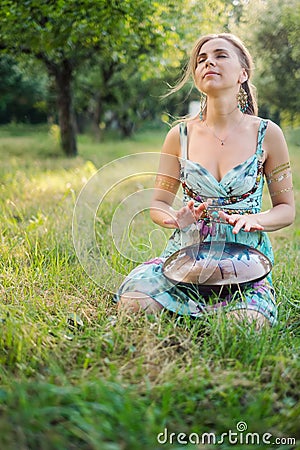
x=220, y=158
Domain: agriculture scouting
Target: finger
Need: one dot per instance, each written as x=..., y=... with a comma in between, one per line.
x=253, y=227
x=224, y=216
x=233, y=219
x=230, y=218
x=248, y=227
x=191, y=211
x=200, y=210
x=201, y=207
x=190, y=204
x=239, y=224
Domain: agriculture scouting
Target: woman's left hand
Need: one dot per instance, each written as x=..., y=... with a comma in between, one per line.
x=245, y=222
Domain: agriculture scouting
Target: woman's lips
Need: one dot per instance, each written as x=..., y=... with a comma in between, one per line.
x=210, y=73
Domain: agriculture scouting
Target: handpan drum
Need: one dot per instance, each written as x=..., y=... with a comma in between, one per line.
x=216, y=266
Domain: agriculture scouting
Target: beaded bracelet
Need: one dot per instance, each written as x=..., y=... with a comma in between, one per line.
x=214, y=214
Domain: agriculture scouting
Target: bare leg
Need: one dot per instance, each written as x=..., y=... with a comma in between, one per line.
x=250, y=316
x=137, y=301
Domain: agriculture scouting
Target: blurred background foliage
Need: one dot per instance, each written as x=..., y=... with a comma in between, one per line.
x=96, y=66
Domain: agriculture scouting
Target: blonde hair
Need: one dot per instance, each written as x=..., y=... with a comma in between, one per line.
x=244, y=58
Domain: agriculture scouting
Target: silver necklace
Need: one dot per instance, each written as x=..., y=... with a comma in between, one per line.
x=223, y=140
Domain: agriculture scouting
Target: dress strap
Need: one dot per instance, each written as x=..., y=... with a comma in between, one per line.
x=261, y=135
x=183, y=139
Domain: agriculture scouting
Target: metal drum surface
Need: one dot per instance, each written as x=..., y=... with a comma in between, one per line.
x=215, y=265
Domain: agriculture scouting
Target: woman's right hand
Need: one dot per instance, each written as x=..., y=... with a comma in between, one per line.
x=186, y=215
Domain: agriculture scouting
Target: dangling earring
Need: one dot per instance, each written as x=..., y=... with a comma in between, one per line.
x=202, y=105
x=242, y=99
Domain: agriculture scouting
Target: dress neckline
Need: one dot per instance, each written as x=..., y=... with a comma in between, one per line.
x=233, y=169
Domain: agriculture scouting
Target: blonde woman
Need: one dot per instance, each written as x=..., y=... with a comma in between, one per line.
x=221, y=158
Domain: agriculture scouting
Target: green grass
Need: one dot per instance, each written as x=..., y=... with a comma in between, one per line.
x=118, y=381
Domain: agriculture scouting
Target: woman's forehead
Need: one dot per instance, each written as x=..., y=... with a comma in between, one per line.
x=216, y=44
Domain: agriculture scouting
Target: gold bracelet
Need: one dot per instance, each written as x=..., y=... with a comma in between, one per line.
x=278, y=169
x=281, y=191
x=273, y=179
x=165, y=184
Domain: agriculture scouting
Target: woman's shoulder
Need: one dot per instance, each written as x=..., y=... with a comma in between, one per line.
x=273, y=131
x=172, y=141
x=272, y=127
x=274, y=134
x=274, y=140
x=255, y=121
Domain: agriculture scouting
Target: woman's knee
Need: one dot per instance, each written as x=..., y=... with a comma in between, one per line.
x=138, y=301
x=250, y=316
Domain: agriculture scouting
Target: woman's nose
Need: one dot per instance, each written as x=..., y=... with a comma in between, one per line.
x=209, y=62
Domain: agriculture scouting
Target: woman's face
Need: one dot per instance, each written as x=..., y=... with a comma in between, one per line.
x=218, y=67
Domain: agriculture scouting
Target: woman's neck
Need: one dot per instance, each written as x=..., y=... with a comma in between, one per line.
x=222, y=113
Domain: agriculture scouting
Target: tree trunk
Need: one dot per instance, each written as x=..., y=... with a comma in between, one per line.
x=63, y=80
x=97, y=114
x=107, y=72
x=126, y=125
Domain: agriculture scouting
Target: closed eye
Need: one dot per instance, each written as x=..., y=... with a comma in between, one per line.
x=202, y=59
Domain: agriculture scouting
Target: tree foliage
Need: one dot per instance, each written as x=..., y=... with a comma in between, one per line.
x=128, y=86
x=110, y=61
x=272, y=30
x=65, y=34
x=23, y=92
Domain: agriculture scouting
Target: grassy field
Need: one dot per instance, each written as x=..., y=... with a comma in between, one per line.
x=116, y=382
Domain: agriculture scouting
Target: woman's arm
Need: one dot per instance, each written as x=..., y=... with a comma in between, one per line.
x=279, y=179
x=166, y=186
x=167, y=179
x=280, y=184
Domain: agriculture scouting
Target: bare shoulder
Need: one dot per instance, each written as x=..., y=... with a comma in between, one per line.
x=274, y=140
x=273, y=130
x=172, y=142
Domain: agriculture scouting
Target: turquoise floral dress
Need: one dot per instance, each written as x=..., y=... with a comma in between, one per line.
x=239, y=191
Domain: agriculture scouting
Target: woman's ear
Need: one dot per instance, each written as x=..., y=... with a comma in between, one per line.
x=243, y=76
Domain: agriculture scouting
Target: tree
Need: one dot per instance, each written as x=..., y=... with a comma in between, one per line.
x=115, y=77
x=271, y=29
x=22, y=95
x=64, y=34
x=127, y=82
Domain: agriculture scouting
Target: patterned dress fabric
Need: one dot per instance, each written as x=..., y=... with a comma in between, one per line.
x=239, y=191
